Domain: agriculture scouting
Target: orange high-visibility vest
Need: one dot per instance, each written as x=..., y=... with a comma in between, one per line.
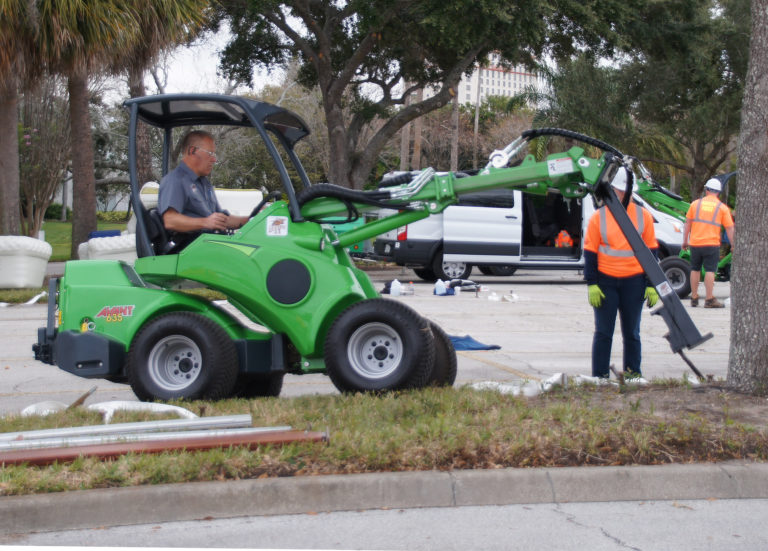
x=563, y=239
x=708, y=214
x=614, y=255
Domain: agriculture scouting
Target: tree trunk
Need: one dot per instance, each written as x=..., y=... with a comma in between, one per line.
x=10, y=214
x=748, y=362
x=417, y=124
x=339, y=173
x=136, y=89
x=455, y=134
x=84, y=181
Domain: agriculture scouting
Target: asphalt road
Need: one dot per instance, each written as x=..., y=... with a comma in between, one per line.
x=541, y=321
x=692, y=525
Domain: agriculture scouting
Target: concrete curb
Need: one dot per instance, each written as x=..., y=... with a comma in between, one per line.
x=176, y=502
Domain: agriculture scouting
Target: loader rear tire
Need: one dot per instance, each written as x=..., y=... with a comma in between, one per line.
x=182, y=355
x=379, y=345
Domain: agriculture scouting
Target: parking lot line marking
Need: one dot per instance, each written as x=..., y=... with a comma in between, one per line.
x=498, y=366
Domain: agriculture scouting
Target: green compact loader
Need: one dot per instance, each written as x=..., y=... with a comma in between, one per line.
x=301, y=304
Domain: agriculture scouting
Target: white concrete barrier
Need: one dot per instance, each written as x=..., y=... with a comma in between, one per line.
x=23, y=261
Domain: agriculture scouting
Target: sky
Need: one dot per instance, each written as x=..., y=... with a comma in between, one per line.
x=193, y=68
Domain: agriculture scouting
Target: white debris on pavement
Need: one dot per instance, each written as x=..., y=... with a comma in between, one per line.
x=534, y=388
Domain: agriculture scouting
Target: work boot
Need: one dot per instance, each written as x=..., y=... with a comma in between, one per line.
x=713, y=303
x=694, y=302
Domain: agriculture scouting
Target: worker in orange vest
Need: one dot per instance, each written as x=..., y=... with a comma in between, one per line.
x=702, y=223
x=563, y=239
x=616, y=281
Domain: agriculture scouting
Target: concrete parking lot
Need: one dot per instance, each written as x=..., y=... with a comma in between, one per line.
x=541, y=321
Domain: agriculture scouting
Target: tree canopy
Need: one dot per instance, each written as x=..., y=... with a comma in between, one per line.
x=360, y=52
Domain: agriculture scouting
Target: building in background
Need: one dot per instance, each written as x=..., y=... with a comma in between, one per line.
x=495, y=80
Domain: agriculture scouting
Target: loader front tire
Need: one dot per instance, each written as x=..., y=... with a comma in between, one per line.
x=379, y=345
x=182, y=355
x=445, y=366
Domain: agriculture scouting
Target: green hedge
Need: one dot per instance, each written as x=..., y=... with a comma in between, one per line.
x=112, y=216
x=53, y=212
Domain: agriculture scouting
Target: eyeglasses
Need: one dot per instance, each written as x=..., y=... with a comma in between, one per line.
x=211, y=154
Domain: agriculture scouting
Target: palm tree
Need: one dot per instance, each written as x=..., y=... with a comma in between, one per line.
x=17, y=30
x=76, y=38
x=163, y=24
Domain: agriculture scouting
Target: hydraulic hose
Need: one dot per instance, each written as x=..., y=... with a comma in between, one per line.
x=348, y=197
x=536, y=132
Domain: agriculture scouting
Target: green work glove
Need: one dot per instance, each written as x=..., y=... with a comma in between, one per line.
x=651, y=296
x=596, y=296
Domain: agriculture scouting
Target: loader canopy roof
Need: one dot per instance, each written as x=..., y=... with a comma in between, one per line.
x=172, y=110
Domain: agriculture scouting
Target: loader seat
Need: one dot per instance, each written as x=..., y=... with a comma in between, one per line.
x=158, y=235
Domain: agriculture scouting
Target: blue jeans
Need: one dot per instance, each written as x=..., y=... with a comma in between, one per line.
x=624, y=296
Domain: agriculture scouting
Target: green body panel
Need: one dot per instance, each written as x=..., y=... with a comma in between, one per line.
x=109, y=298
x=238, y=265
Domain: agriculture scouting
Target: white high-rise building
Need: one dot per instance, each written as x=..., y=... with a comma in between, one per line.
x=495, y=80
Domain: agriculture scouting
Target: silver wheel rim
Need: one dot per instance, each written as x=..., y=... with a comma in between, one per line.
x=174, y=362
x=454, y=270
x=676, y=278
x=375, y=350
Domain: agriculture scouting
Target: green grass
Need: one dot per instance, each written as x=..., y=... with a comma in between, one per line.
x=444, y=429
x=59, y=235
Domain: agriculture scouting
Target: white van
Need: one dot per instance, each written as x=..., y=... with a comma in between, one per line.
x=500, y=231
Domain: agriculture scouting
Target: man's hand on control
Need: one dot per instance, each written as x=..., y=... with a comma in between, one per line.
x=216, y=221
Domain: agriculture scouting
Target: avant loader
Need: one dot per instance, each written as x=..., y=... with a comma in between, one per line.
x=303, y=305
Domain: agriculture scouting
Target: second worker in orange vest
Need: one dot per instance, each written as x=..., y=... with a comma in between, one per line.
x=703, y=222
x=616, y=281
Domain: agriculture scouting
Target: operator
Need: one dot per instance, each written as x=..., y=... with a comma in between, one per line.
x=616, y=281
x=187, y=201
x=702, y=223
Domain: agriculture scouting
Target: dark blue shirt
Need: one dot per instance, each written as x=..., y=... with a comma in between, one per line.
x=186, y=193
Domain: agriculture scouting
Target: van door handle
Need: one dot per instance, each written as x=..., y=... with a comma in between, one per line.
x=512, y=216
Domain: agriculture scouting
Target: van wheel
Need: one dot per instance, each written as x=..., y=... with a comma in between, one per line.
x=445, y=366
x=379, y=345
x=425, y=273
x=678, y=273
x=182, y=355
x=503, y=271
x=450, y=270
x=485, y=270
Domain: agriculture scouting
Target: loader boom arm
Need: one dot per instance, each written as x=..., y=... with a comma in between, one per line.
x=572, y=173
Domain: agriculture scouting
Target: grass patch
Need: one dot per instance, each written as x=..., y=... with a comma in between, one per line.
x=18, y=296
x=59, y=235
x=444, y=429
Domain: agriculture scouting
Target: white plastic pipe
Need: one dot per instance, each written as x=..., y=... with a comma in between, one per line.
x=135, y=437
x=225, y=421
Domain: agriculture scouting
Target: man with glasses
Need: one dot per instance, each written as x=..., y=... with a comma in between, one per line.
x=187, y=201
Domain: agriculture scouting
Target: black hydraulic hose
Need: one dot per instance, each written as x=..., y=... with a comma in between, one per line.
x=348, y=197
x=536, y=132
x=342, y=193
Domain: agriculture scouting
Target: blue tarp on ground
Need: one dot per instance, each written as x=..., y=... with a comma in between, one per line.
x=468, y=343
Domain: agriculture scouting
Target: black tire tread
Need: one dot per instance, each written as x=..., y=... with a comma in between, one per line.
x=424, y=354
x=220, y=383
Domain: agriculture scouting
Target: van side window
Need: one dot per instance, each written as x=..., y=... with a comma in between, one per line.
x=494, y=198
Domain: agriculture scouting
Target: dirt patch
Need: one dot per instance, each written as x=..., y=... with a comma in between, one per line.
x=712, y=402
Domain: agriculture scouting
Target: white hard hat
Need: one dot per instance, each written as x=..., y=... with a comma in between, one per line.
x=713, y=184
x=620, y=179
